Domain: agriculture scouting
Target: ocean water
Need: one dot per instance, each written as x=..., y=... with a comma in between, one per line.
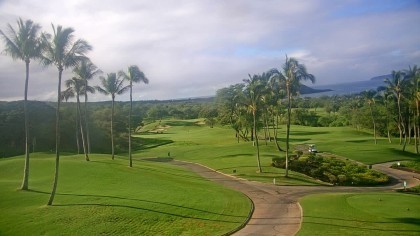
x=347, y=88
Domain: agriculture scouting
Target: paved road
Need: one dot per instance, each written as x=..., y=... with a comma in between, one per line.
x=276, y=208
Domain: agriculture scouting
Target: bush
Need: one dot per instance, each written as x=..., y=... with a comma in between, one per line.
x=333, y=170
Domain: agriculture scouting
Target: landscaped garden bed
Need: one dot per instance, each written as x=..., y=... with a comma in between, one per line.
x=333, y=170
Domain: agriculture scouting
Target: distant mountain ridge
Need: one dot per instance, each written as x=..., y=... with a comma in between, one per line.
x=381, y=77
x=308, y=90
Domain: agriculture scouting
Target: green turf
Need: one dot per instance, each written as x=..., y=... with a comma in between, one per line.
x=361, y=214
x=107, y=197
x=216, y=148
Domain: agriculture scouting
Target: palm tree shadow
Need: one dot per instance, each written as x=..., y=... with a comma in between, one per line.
x=140, y=208
x=145, y=209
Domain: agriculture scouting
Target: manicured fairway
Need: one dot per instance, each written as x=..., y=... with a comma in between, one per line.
x=218, y=148
x=107, y=197
x=361, y=214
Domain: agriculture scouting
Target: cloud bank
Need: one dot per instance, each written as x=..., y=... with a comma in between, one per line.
x=192, y=48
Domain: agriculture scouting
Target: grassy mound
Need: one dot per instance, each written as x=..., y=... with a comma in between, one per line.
x=361, y=214
x=107, y=197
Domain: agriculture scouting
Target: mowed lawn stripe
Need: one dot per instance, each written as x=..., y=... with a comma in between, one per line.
x=107, y=197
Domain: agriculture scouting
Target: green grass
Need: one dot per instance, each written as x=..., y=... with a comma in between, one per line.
x=216, y=148
x=361, y=214
x=107, y=197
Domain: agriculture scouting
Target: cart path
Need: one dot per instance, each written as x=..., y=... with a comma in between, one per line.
x=276, y=208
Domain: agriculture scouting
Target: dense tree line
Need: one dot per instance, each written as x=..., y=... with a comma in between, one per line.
x=389, y=111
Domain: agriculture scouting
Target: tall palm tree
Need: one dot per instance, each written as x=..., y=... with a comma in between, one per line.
x=253, y=93
x=370, y=99
x=413, y=76
x=24, y=44
x=292, y=74
x=112, y=85
x=86, y=71
x=134, y=75
x=394, y=85
x=77, y=86
x=63, y=52
x=384, y=97
x=65, y=96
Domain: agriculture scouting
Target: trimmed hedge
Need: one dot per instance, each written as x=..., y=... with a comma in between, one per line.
x=333, y=170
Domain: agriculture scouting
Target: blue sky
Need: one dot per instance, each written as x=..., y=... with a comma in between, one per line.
x=190, y=48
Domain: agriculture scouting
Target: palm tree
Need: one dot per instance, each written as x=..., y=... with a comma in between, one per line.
x=394, y=86
x=111, y=85
x=24, y=44
x=253, y=93
x=413, y=76
x=65, y=96
x=77, y=86
x=134, y=75
x=370, y=99
x=63, y=52
x=86, y=71
x=292, y=74
x=384, y=96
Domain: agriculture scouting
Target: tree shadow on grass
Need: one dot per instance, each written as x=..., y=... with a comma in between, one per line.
x=181, y=123
x=155, y=170
x=140, y=208
x=359, y=141
x=401, y=153
x=379, y=228
x=149, y=143
x=302, y=133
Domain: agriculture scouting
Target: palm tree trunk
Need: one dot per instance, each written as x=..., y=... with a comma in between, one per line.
x=112, y=129
x=256, y=141
x=374, y=124
x=387, y=122
x=417, y=125
x=265, y=131
x=400, y=120
x=57, y=140
x=276, y=127
x=129, y=124
x=81, y=128
x=289, y=109
x=87, y=121
x=25, y=182
x=77, y=130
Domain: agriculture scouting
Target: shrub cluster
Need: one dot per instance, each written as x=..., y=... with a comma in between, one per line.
x=333, y=170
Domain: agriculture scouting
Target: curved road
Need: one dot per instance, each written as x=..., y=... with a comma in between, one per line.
x=276, y=208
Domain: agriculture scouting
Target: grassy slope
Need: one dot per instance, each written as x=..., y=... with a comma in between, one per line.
x=107, y=197
x=361, y=214
x=217, y=148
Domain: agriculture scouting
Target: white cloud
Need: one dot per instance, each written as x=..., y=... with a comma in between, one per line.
x=191, y=48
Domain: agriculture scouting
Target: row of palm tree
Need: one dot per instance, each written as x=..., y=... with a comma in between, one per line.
x=63, y=51
x=260, y=101
x=400, y=98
